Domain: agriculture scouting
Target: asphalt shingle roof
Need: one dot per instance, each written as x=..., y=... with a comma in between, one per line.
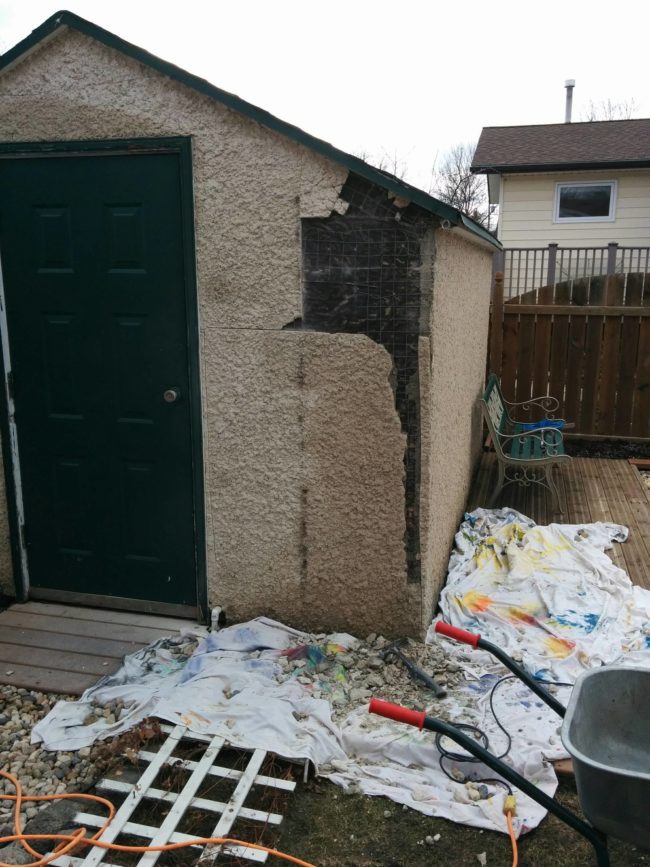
x=610, y=143
x=60, y=20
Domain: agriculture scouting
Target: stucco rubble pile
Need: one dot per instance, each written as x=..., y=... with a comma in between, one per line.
x=348, y=676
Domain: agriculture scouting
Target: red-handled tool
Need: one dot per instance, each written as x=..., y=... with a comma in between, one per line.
x=397, y=712
x=429, y=723
x=475, y=641
x=457, y=634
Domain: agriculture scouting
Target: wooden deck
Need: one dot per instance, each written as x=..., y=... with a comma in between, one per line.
x=63, y=648
x=594, y=489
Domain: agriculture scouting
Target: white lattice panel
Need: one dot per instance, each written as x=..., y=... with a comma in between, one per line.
x=179, y=802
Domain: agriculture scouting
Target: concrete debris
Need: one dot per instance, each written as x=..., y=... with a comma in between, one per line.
x=348, y=676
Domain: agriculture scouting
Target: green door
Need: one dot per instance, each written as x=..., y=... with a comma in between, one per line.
x=92, y=259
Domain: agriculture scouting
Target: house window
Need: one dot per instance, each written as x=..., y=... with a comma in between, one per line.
x=591, y=202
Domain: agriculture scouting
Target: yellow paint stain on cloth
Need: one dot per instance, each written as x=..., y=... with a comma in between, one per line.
x=559, y=647
x=475, y=602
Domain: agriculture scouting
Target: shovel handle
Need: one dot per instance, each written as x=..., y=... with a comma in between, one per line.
x=457, y=634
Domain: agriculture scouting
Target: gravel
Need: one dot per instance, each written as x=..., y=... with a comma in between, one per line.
x=40, y=772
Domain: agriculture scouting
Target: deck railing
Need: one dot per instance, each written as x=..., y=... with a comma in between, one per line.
x=526, y=269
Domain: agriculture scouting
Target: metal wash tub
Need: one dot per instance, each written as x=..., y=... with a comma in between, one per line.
x=606, y=731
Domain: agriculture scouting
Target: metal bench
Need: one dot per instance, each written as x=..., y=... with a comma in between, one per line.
x=526, y=451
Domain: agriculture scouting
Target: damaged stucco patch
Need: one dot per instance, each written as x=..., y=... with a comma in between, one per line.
x=320, y=188
x=306, y=488
x=354, y=448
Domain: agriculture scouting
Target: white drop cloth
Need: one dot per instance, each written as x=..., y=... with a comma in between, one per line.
x=550, y=595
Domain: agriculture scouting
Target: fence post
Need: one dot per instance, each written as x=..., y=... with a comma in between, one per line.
x=498, y=264
x=612, y=252
x=496, y=325
x=552, y=259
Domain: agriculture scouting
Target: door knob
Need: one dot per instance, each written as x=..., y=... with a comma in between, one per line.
x=171, y=395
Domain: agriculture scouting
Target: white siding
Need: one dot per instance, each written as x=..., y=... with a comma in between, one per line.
x=526, y=211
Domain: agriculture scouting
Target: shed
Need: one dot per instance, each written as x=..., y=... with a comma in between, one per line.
x=241, y=365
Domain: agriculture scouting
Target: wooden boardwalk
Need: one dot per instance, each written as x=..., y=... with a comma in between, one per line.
x=595, y=489
x=63, y=648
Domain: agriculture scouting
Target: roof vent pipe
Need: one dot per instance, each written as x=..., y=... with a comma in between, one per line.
x=569, y=84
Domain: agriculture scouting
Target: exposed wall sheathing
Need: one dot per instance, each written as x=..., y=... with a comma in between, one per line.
x=362, y=275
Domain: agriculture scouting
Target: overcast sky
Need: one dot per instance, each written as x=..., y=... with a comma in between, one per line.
x=406, y=79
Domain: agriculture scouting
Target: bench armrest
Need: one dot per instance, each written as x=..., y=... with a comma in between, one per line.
x=535, y=431
x=547, y=403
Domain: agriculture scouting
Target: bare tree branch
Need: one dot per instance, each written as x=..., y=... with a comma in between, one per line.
x=393, y=164
x=454, y=184
x=608, y=109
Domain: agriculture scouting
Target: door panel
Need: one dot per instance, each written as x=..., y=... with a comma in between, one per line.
x=92, y=258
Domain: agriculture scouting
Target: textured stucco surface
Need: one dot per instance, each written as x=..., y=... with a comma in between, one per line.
x=310, y=474
x=452, y=372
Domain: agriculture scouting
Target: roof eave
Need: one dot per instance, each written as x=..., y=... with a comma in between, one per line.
x=486, y=240
x=354, y=164
x=560, y=167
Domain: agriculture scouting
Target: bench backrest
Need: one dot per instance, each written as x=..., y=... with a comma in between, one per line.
x=494, y=410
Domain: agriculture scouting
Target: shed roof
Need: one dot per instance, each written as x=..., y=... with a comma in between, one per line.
x=64, y=19
x=590, y=145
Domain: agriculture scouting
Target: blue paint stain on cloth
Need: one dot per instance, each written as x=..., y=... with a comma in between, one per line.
x=586, y=622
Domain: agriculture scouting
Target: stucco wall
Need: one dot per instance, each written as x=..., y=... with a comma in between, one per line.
x=452, y=372
x=309, y=474
x=527, y=207
x=304, y=491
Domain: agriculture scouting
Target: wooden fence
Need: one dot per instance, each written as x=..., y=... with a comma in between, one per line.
x=584, y=341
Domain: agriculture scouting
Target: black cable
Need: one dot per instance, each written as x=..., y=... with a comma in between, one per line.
x=496, y=718
x=483, y=739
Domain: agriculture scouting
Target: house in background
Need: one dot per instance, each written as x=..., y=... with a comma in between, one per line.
x=241, y=366
x=574, y=185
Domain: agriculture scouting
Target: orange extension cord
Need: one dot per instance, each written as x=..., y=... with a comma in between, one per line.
x=513, y=839
x=68, y=842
